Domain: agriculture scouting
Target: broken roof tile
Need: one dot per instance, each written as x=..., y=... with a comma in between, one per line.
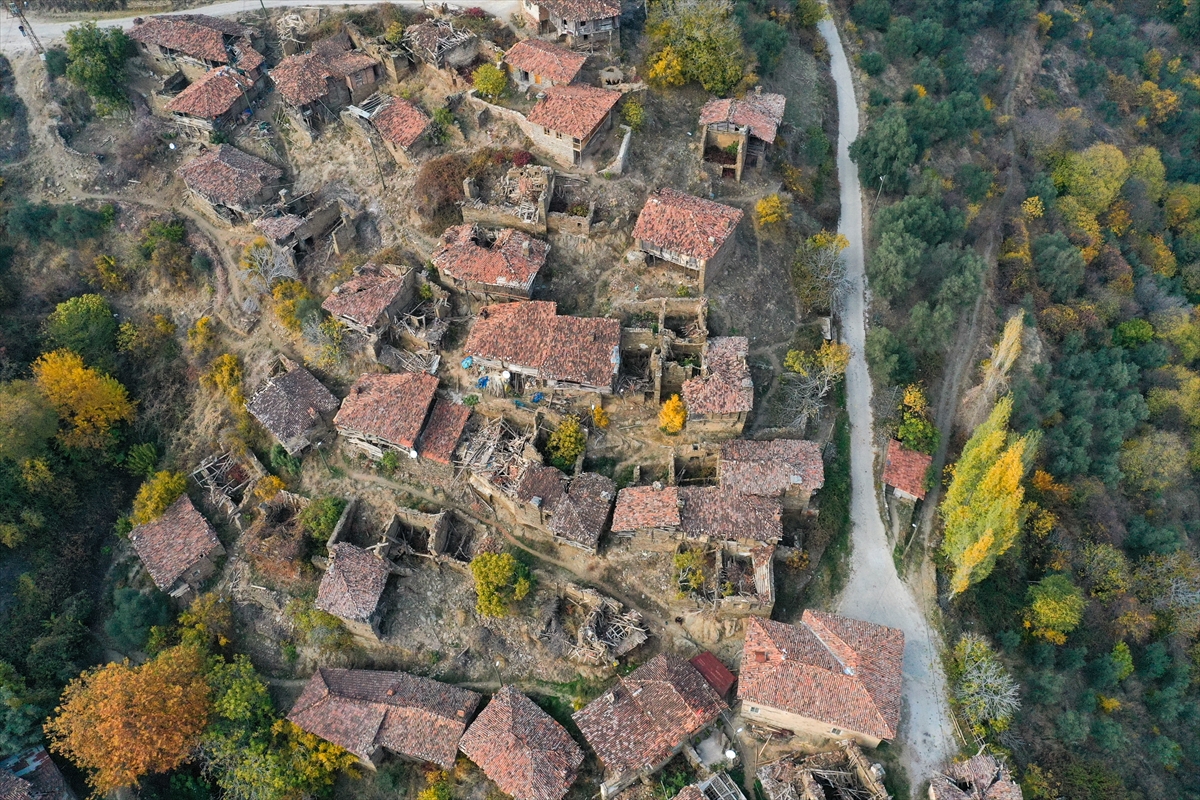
x=225, y=176
x=726, y=387
x=771, y=468
x=579, y=10
x=646, y=507
x=686, y=225
x=546, y=60
x=175, y=542
x=575, y=111
x=511, y=259
x=388, y=407
x=365, y=297
x=401, y=122
x=761, y=113
x=352, y=584
x=580, y=516
x=196, y=35
x=442, y=432
x=711, y=512
x=291, y=404
x=301, y=79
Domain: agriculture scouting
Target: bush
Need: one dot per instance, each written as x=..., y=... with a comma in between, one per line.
x=672, y=416
x=56, y=62
x=133, y=616
x=490, y=80
x=566, y=444
x=294, y=304
x=85, y=325
x=771, y=210
x=500, y=580
x=872, y=63
x=320, y=516
x=633, y=114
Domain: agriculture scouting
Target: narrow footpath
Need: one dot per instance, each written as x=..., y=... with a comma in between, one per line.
x=874, y=591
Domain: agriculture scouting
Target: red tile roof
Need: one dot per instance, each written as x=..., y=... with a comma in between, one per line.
x=401, y=122
x=339, y=56
x=175, y=542
x=546, y=60
x=510, y=260
x=388, y=407
x=906, y=469
x=575, y=111
x=352, y=584
x=14, y=788
x=717, y=674
x=582, y=350
x=248, y=58
x=711, y=512
x=289, y=405
x=547, y=484
x=301, y=79
x=771, y=468
x=445, y=427
x=217, y=91
x=363, y=710
x=657, y=707
x=840, y=671
x=522, y=749
x=194, y=35
x=761, y=113
x=224, y=175
x=681, y=223
x=727, y=388
x=583, y=9
x=644, y=507
x=366, y=296
x=37, y=777
x=580, y=516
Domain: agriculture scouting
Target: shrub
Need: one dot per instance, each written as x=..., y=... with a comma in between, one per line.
x=566, y=444
x=320, y=516
x=771, y=210
x=142, y=459
x=156, y=495
x=873, y=63
x=500, y=581
x=294, y=304
x=225, y=375
x=672, y=416
x=84, y=325
x=634, y=114
x=490, y=80
x=133, y=616
x=280, y=461
x=1055, y=608
x=202, y=335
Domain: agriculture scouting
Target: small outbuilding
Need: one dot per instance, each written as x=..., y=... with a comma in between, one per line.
x=402, y=126
x=905, y=471
x=179, y=549
x=541, y=64
x=686, y=230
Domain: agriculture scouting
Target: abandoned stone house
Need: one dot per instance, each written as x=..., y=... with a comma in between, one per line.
x=568, y=121
x=830, y=775
x=532, y=341
x=230, y=186
x=791, y=469
x=368, y=712
x=522, y=749
x=402, y=127
x=195, y=43
x=685, y=230
x=297, y=234
x=647, y=718
x=577, y=20
x=331, y=76
x=179, y=549
x=982, y=777
x=372, y=300
x=490, y=267
x=905, y=471
x=31, y=774
x=661, y=344
x=215, y=102
x=541, y=64
x=293, y=406
x=737, y=131
x=721, y=397
x=828, y=678
x=519, y=199
x=401, y=412
x=351, y=587
x=438, y=43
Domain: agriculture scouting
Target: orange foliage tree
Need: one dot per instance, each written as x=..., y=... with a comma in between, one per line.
x=122, y=722
x=91, y=402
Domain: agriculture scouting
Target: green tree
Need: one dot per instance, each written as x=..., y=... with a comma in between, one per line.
x=320, y=516
x=982, y=509
x=885, y=150
x=1094, y=176
x=20, y=718
x=705, y=38
x=134, y=614
x=1155, y=461
x=84, y=325
x=489, y=80
x=27, y=421
x=894, y=265
x=1055, y=608
x=96, y=60
x=500, y=581
x=1059, y=264
x=566, y=444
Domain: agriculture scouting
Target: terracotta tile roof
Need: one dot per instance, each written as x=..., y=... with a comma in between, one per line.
x=840, y=671
x=217, y=91
x=175, y=542
x=279, y=228
x=289, y=405
x=547, y=483
x=339, y=56
x=644, y=507
x=194, y=35
x=717, y=674
x=761, y=113
x=771, y=468
x=575, y=111
x=224, y=175
x=583, y=9
x=36, y=777
x=711, y=512
x=511, y=260
x=681, y=223
x=388, y=407
x=691, y=792
x=727, y=388
x=366, y=296
x=14, y=788
x=445, y=427
x=522, y=749
x=546, y=60
x=650, y=712
x=353, y=583
x=580, y=516
x=301, y=79
x=401, y=122
x=363, y=710
x=247, y=57
x=906, y=469
x=584, y=350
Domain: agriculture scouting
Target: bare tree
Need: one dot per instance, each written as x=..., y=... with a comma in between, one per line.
x=985, y=690
x=820, y=271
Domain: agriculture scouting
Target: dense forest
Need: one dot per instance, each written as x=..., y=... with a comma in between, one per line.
x=1059, y=143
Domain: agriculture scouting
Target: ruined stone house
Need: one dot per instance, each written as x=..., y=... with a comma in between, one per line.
x=438, y=43
x=490, y=267
x=737, y=131
x=196, y=43
x=403, y=127
x=215, y=102
x=179, y=549
x=372, y=300
x=827, y=678
x=331, y=76
x=296, y=234
x=370, y=712
x=647, y=718
x=662, y=341
x=401, y=413
x=520, y=199
x=293, y=406
x=791, y=469
x=536, y=63
x=351, y=587
x=686, y=230
x=831, y=775
x=982, y=777
x=230, y=186
x=721, y=397
x=577, y=20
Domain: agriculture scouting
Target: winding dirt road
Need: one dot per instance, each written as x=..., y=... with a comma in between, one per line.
x=875, y=592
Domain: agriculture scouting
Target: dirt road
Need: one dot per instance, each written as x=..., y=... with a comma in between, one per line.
x=51, y=30
x=874, y=591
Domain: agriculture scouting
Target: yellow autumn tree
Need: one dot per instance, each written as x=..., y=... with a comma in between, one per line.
x=225, y=375
x=672, y=416
x=1055, y=608
x=90, y=402
x=156, y=495
x=667, y=69
x=771, y=210
x=983, y=509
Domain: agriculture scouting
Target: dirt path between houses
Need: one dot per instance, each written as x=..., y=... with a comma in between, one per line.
x=874, y=591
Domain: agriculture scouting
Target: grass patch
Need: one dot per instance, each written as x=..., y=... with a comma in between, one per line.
x=833, y=523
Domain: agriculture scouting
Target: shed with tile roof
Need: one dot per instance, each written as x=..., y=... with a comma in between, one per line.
x=686, y=230
x=179, y=549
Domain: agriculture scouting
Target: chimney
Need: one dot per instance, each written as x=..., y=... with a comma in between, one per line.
x=760, y=657
x=525, y=248
x=758, y=90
